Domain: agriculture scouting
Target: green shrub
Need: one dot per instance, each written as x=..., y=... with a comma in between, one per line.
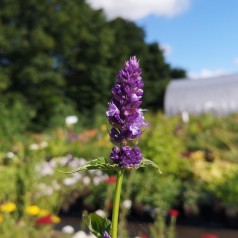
x=15, y=114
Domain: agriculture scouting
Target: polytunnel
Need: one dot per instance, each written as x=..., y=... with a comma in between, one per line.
x=217, y=95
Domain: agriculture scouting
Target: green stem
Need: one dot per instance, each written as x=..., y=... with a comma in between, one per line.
x=116, y=203
x=124, y=211
x=172, y=227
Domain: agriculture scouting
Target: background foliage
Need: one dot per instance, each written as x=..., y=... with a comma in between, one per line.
x=61, y=57
x=197, y=159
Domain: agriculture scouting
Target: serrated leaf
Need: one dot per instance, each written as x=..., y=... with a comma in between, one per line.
x=99, y=163
x=149, y=163
x=97, y=224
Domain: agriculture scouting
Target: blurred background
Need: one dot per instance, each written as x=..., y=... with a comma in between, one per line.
x=58, y=62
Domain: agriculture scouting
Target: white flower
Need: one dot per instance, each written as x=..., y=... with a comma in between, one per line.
x=68, y=229
x=10, y=155
x=185, y=116
x=75, y=163
x=34, y=147
x=91, y=236
x=80, y=234
x=77, y=176
x=52, y=163
x=127, y=204
x=43, y=144
x=45, y=190
x=97, y=180
x=82, y=161
x=64, y=160
x=86, y=180
x=70, y=120
x=44, y=169
x=105, y=177
x=69, y=181
x=100, y=213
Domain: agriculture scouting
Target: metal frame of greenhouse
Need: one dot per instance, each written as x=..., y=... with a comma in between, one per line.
x=217, y=95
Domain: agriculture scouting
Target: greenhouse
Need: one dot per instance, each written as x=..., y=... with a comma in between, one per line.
x=217, y=95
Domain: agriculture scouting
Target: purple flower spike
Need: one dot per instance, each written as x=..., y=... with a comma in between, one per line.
x=106, y=235
x=125, y=116
x=123, y=111
x=126, y=157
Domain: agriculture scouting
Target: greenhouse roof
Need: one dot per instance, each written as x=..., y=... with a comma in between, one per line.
x=218, y=95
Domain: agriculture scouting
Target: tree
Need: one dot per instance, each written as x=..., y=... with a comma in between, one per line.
x=156, y=76
x=128, y=40
x=61, y=57
x=178, y=73
x=54, y=56
x=27, y=56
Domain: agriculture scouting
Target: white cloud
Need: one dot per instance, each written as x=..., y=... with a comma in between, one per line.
x=136, y=9
x=206, y=73
x=167, y=49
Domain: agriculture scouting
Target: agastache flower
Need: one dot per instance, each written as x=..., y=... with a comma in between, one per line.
x=126, y=156
x=125, y=116
x=106, y=235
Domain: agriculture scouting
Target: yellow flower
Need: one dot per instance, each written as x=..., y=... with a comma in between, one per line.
x=198, y=155
x=1, y=218
x=32, y=210
x=103, y=127
x=55, y=219
x=43, y=213
x=8, y=207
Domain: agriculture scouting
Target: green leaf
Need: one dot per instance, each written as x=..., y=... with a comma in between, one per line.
x=99, y=163
x=102, y=164
x=149, y=163
x=96, y=224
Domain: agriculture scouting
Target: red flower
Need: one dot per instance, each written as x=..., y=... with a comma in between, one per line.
x=209, y=236
x=144, y=236
x=44, y=220
x=174, y=213
x=111, y=179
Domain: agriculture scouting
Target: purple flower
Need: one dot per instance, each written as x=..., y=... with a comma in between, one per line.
x=125, y=116
x=126, y=157
x=106, y=235
x=123, y=111
x=112, y=110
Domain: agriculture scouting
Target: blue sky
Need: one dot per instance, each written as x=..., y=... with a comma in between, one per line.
x=205, y=37
x=200, y=36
